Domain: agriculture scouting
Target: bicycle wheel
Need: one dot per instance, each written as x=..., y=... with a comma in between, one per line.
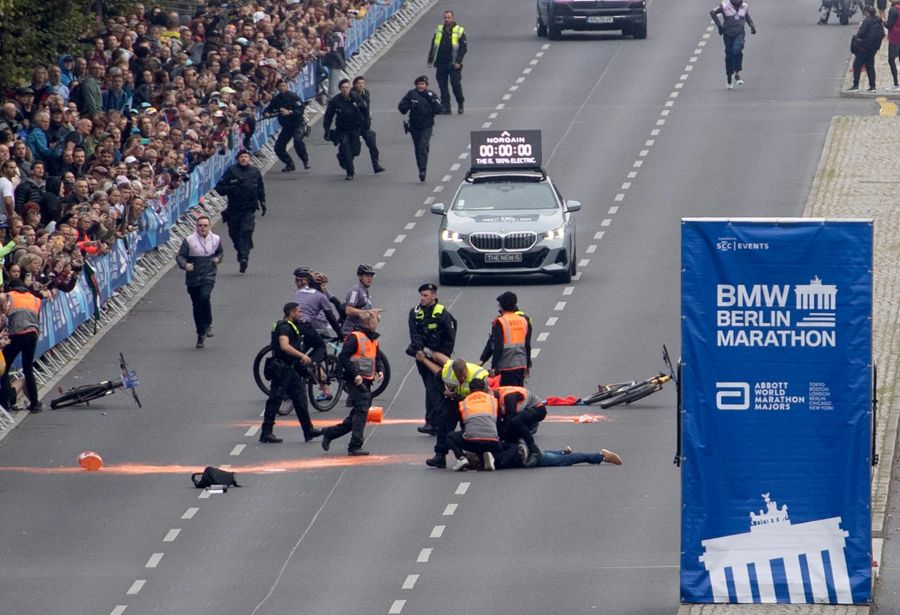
x=632, y=394
x=379, y=386
x=80, y=395
x=608, y=391
x=333, y=380
x=258, y=363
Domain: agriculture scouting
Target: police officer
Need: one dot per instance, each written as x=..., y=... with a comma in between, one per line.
x=431, y=326
x=199, y=255
x=289, y=336
x=243, y=184
x=368, y=135
x=289, y=109
x=350, y=115
x=358, y=302
x=422, y=105
x=509, y=345
x=448, y=48
x=360, y=362
x=456, y=376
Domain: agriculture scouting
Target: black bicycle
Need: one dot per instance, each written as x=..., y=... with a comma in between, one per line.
x=616, y=393
x=327, y=375
x=87, y=393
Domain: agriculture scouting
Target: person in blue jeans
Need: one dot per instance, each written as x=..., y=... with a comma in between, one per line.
x=515, y=456
x=735, y=13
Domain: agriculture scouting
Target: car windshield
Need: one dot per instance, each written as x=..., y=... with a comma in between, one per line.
x=505, y=196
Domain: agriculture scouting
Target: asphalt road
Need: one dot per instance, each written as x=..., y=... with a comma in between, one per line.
x=316, y=533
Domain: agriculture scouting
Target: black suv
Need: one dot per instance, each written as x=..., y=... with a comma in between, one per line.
x=554, y=16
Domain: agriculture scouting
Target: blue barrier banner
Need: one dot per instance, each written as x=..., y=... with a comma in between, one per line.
x=776, y=411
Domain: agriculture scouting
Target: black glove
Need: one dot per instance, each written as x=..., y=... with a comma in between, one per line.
x=752, y=30
x=411, y=351
x=262, y=207
x=721, y=30
x=328, y=135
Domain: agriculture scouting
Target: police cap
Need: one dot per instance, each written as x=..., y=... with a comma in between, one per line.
x=428, y=286
x=422, y=79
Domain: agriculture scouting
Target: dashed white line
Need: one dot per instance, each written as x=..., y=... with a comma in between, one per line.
x=692, y=59
x=454, y=166
x=684, y=77
x=526, y=71
x=535, y=352
x=400, y=238
x=153, y=562
x=702, y=43
x=620, y=197
x=542, y=336
x=606, y=222
x=378, y=265
x=438, y=188
x=613, y=210
x=577, y=276
x=513, y=88
x=632, y=174
x=552, y=321
x=545, y=46
x=539, y=54
x=410, y=581
x=437, y=531
x=190, y=512
x=533, y=62
x=520, y=80
x=649, y=143
x=120, y=608
x=625, y=185
x=638, y=164
x=462, y=488
x=492, y=115
x=670, y=103
x=238, y=449
x=506, y=97
x=430, y=200
x=252, y=431
x=599, y=234
x=568, y=290
x=665, y=112
x=679, y=85
x=486, y=125
x=643, y=153
x=397, y=607
x=560, y=306
x=171, y=535
x=688, y=68
x=420, y=212
x=446, y=178
x=409, y=226
x=591, y=249
x=706, y=35
x=389, y=252
x=654, y=132
x=424, y=555
x=584, y=262
x=464, y=155
x=500, y=107
x=135, y=587
x=698, y=51
x=449, y=510
x=204, y=495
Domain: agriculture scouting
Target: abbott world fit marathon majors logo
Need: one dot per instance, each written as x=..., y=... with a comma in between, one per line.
x=776, y=315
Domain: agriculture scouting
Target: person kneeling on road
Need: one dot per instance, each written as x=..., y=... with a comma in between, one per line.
x=479, y=435
x=360, y=362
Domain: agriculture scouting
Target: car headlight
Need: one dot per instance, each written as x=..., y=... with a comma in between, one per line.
x=448, y=235
x=556, y=233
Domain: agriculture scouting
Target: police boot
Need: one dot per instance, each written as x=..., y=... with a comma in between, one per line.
x=438, y=461
x=312, y=434
x=267, y=437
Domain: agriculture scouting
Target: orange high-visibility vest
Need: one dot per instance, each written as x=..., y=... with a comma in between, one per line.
x=479, y=416
x=24, y=312
x=515, y=328
x=364, y=357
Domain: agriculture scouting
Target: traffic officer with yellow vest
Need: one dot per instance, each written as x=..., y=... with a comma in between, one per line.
x=289, y=336
x=431, y=327
x=23, y=312
x=520, y=412
x=456, y=376
x=478, y=412
x=448, y=48
x=509, y=345
x=361, y=364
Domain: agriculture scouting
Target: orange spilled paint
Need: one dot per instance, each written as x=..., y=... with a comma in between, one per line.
x=287, y=465
x=319, y=423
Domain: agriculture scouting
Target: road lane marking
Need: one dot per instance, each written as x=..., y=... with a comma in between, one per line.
x=172, y=535
x=684, y=77
x=542, y=336
x=410, y=581
x=660, y=122
x=190, y=512
x=492, y=115
x=702, y=43
x=679, y=85
x=591, y=249
x=552, y=321
x=462, y=488
x=135, y=587
x=464, y=155
x=698, y=51
x=409, y=226
x=625, y=186
x=649, y=143
x=533, y=62
x=606, y=222
x=438, y=188
x=539, y=54
x=584, y=262
x=665, y=112
x=520, y=80
x=513, y=88
x=500, y=107
x=612, y=211
x=238, y=449
x=599, y=234
x=204, y=495
x=397, y=607
x=153, y=562
x=568, y=290
x=449, y=510
x=400, y=238
x=620, y=197
x=424, y=555
x=378, y=265
x=577, y=276
x=506, y=97
x=535, y=352
x=693, y=59
x=252, y=431
x=389, y=252
x=638, y=164
x=446, y=178
x=526, y=71
x=454, y=166
x=670, y=103
x=120, y=608
x=486, y=125
x=437, y=531
x=632, y=174
x=688, y=68
x=421, y=212
x=643, y=153
x=560, y=306
x=545, y=46
x=654, y=132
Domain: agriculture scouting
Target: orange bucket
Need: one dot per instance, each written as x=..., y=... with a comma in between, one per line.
x=376, y=413
x=89, y=460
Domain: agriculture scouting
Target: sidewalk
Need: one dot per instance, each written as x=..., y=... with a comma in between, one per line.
x=883, y=78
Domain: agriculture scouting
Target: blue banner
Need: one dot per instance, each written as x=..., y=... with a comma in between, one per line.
x=776, y=411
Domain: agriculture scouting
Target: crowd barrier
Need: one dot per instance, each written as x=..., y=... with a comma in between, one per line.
x=62, y=315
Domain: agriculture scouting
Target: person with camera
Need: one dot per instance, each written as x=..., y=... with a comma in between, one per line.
x=350, y=115
x=199, y=255
x=422, y=105
x=448, y=48
x=289, y=109
x=368, y=135
x=293, y=343
x=433, y=327
x=243, y=184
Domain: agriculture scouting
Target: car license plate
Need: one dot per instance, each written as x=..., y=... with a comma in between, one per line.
x=600, y=19
x=502, y=258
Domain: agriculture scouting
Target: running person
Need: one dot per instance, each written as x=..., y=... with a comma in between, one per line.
x=734, y=14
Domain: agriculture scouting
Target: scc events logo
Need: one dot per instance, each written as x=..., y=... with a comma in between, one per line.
x=731, y=244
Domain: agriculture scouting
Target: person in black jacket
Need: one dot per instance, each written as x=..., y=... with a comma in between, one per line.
x=199, y=255
x=290, y=111
x=368, y=135
x=422, y=105
x=431, y=326
x=867, y=42
x=448, y=48
x=350, y=115
x=735, y=14
x=243, y=184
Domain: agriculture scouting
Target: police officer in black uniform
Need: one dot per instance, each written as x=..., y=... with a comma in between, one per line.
x=431, y=326
x=243, y=184
x=289, y=336
x=289, y=109
x=368, y=135
x=350, y=115
x=422, y=105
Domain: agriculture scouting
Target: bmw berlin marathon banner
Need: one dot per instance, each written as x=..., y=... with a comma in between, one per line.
x=776, y=411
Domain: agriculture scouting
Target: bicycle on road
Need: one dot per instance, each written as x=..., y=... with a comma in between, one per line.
x=327, y=373
x=616, y=393
x=87, y=393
